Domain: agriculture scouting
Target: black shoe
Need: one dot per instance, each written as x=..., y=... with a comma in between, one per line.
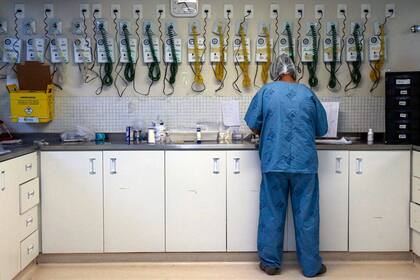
x=270, y=270
x=322, y=270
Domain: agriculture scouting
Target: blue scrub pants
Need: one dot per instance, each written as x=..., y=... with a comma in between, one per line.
x=304, y=189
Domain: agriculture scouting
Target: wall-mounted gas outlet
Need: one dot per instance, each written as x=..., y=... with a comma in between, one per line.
x=341, y=11
x=365, y=10
x=228, y=11
x=160, y=10
x=249, y=11
x=115, y=10
x=97, y=10
x=206, y=8
x=77, y=27
x=390, y=10
x=55, y=26
x=28, y=26
x=319, y=11
x=84, y=10
x=138, y=11
x=20, y=10
x=299, y=11
x=274, y=11
x=49, y=10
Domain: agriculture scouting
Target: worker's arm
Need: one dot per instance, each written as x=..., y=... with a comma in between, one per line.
x=321, y=118
x=254, y=115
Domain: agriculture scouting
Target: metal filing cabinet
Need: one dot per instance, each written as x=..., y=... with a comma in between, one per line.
x=402, y=108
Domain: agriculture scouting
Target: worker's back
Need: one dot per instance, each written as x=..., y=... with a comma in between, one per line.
x=289, y=116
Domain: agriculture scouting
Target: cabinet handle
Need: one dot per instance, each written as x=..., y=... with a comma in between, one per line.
x=30, y=249
x=216, y=169
x=28, y=166
x=113, y=168
x=31, y=194
x=3, y=180
x=236, y=165
x=359, y=166
x=92, y=166
x=29, y=221
x=338, y=165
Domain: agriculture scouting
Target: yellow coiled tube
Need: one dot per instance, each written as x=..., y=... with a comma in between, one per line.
x=266, y=65
x=246, y=82
x=219, y=71
x=375, y=73
x=198, y=77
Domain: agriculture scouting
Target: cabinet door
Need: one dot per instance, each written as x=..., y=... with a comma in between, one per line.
x=195, y=201
x=379, y=201
x=72, y=202
x=243, y=188
x=134, y=201
x=333, y=203
x=9, y=212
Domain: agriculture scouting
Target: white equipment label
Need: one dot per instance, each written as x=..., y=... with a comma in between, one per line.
x=168, y=50
x=82, y=50
x=239, y=51
x=12, y=50
x=123, y=50
x=147, y=53
x=59, y=50
x=35, y=49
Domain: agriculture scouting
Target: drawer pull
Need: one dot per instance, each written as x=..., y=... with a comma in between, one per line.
x=359, y=166
x=29, y=221
x=3, y=180
x=92, y=166
x=31, y=194
x=28, y=167
x=236, y=166
x=338, y=165
x=113, y=169
x=30, y=249
x=216, y=168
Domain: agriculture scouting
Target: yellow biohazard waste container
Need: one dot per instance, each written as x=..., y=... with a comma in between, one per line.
x=29, y=106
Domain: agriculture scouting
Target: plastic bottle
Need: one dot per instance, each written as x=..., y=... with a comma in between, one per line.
x=198, y=135
x=370, y=137
x=161, y=131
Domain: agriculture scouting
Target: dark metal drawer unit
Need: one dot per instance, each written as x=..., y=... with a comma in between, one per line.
x=402, y=112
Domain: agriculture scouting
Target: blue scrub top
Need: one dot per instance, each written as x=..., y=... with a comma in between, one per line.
x=289, y=116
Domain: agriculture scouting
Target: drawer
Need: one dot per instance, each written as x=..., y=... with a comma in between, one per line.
x=28, y=223
x=416, y=164
x=402, y=103
x=29, y=249
x=28, y=195
x=415, y=190
x=415, y=216
x=27, y=167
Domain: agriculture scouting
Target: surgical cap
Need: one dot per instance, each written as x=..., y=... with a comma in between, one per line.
x=282, y=65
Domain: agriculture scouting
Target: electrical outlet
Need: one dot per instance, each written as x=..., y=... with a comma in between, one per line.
x=204, y=8
x=319, y=11
x=299, y=10
x=160, y=10
x=97, y=10
x=138, y=11
x=249, y=10
x=228, y=10
x=274, y=11
x=341, y=11
x=115, y=10
x=84, y=10
x=49, y=10
x=20, y=10
x=390, y=10
x=365, y=10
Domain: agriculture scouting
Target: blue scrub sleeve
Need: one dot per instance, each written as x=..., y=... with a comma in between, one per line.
x=254, y=115
x=321, y=118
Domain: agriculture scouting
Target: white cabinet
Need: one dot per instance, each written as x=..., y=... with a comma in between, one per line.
x=195, y=201
x=243, y=188
x=9, y=210
x=333, y=174
x=72, y=202
x=134, y=193
x=379, y=201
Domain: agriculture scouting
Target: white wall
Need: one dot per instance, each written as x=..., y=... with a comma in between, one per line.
x=403, y=53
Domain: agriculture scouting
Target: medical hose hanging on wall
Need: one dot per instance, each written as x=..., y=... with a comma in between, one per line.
x=243, y=65
x=220, y=70
x=267, y=51
x=173, y=66
x=137, y=22
x=376, y=66
x=198, y=84
x=331, y=66
x=299, y=65
x=119, y=66
x=354, y=66
x=153, y=67
x=312, y=66
x=107, y=67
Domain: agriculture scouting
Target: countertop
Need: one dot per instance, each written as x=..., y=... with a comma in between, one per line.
x=19, y=150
